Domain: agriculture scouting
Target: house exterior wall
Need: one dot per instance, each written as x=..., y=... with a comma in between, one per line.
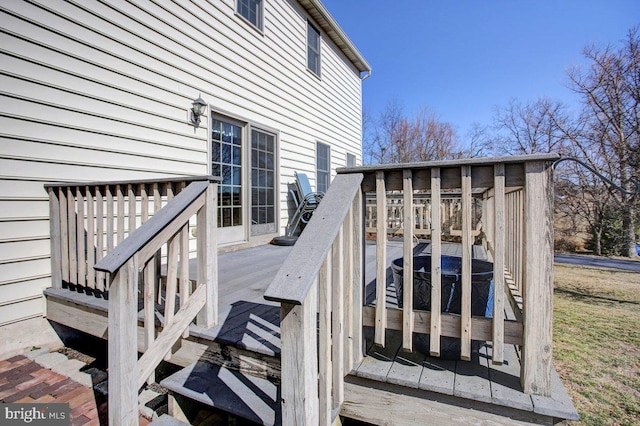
x=92, y=92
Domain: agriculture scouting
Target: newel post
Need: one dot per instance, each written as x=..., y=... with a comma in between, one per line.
x=208, y=256
x=123, y=351
x=299, y=359
x=538, y=279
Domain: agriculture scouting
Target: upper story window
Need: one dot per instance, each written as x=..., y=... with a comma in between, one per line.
x=251, y=10
x=313, y=48
x=323, y=167
x=351, y=160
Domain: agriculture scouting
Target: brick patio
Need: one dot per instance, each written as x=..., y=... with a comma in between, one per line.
x=24, y=380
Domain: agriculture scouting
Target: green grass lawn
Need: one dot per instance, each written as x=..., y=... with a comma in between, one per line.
x=597, y=342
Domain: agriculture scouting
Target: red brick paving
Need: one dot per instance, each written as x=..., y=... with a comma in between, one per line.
x=25, y=381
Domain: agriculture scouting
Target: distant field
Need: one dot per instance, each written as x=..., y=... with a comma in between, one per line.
x=597, y=342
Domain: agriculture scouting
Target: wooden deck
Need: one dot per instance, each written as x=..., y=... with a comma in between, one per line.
x=248, y=333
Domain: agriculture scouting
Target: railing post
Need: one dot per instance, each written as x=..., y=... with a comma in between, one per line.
x=467, y=242
x=381, y=259
x=409, y=224
x=537, y=285
x=498, y=238
x=358, y=275
x=436, y=272
x=299, y=359
x=207, y=221
x=54, y=227
x=123, y=351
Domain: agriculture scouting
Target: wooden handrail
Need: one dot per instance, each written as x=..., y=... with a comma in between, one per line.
x=298, y=272
x=326, y=262
x=476, y=161
x=132, y=181
x=146, y=233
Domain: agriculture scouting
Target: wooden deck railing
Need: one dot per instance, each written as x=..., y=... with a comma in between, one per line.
x=516, y=209
x=321, y=277
x=450, y=214
x=88, y=220
x=130, y=268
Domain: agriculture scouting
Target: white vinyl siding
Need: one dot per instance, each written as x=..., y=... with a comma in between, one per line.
x=95, y=91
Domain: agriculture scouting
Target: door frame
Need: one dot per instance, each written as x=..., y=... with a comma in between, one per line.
x=246, y=125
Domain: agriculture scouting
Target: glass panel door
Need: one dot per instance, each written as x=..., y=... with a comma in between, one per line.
x=226, y=162
x=263, y=183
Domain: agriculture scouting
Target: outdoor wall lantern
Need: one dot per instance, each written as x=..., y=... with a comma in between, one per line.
x=198, y=108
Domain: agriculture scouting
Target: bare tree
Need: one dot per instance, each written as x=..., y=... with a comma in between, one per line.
x=480, y=141
x=608, y=137
x=399, y=139
x=530, y=128
x=434, y=139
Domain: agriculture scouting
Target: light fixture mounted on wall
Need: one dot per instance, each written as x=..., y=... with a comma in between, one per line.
x=198, y=108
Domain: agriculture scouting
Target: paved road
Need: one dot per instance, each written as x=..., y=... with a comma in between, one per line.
x=599, y=262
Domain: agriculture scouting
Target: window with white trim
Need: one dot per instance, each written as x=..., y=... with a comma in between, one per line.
x=313, y=48
x=251, y=10
x=351, y=160
x=323, y=167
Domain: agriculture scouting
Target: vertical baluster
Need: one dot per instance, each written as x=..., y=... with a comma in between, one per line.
x=348, y=291
x=324, y=357
x=149, y=285
x=337, y=285
x=55, y=243
x=100, y=276
x=110, y=216
x=73, y=254
x=184, y=270
x=64, y=237
x=381, y=260
x=157, y=205
x=111, y=232
x=520, y=239
x=508, y=218
x=498, y=264
x=467, y=241
x=91, y=241
x=407, y=274
x=436, y=273
x=172, y=283
x=80, y=241
x=357, y=276
x=120, y=210
x=131, y=189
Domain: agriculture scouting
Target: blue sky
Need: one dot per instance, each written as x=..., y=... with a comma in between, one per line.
x=464, y=58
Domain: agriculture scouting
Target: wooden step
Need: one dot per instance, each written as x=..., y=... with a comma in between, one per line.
x=167, y=420
x=243, y=395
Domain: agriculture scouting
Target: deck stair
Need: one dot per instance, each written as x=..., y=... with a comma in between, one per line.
x=242, y=394
x=167, y=420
